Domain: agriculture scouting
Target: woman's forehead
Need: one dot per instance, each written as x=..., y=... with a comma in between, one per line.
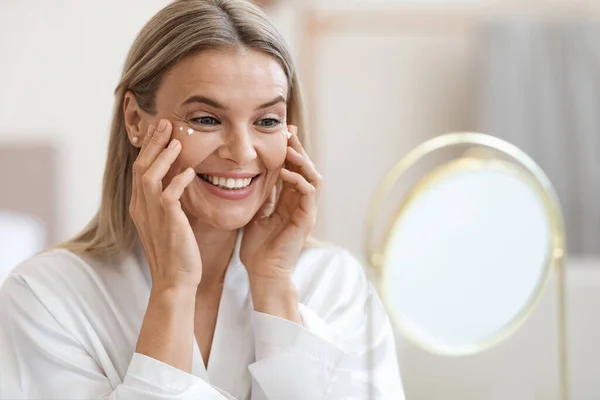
x=227, y=76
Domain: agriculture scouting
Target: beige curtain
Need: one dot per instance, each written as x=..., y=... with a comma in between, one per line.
x=539, y=88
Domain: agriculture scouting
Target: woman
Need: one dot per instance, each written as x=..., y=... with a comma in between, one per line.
x=196, y=279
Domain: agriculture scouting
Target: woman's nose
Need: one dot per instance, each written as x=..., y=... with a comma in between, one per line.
x=239, y=146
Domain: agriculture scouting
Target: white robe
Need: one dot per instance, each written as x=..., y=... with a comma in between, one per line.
x=69, y=328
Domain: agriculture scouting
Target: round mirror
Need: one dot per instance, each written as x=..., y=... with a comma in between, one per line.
x=469, y=234
x=471, y=246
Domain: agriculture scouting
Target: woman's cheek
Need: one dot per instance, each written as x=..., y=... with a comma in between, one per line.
x=273, y=152
x=192, y=153
x=188, y=157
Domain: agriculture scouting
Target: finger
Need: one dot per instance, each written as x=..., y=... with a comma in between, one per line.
x=137, y=172
x=146, y=139
x=136, y=199
x=294, y=141
x=269, y=205
x=304, y=166
x=155, y=141
x=171, y=195
x=147, y=136
x=133, y=201
x=163, y=162
x=152, y=179
x=306, y=190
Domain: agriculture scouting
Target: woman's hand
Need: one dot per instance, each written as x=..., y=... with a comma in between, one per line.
x=164, y=230
x=272, y=241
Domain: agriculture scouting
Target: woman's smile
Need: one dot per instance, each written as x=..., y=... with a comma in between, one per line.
x=229, y=186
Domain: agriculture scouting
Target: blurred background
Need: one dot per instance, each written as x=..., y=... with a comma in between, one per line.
x=380, y=77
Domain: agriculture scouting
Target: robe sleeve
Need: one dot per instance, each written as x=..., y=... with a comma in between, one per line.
x=346, y=350
x=40, y=359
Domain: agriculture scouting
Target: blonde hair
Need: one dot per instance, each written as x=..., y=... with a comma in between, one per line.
x=182, y=28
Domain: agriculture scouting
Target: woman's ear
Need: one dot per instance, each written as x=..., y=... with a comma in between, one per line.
x=133, y=119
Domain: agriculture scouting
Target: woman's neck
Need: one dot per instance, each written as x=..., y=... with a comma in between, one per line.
x=216, y=249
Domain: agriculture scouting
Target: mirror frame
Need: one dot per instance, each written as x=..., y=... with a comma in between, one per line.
x=492, y=147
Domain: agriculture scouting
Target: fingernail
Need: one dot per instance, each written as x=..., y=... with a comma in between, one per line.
x=151, y=130
x=189, y=172
x=174, y=143
x=162, y=125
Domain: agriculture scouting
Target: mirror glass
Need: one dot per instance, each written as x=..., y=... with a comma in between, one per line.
x=467, y=255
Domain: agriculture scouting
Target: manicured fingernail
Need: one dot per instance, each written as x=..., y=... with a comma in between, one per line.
x=174, y=144
x=189, y=172
x=162, y=125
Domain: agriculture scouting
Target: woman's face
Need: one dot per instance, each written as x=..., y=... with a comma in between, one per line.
x=235, y=102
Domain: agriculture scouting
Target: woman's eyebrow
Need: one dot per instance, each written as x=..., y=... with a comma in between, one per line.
x=276, y=100
x=204, y=100
x=215, y=104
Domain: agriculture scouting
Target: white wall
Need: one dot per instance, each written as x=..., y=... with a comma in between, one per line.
x=378, y=97
x=59, y=63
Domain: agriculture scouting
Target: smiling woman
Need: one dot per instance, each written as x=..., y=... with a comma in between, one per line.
x=194, y=280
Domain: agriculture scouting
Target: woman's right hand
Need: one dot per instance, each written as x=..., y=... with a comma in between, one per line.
x=164, y=229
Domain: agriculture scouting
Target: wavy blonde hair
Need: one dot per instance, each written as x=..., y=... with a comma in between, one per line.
x=182, y=28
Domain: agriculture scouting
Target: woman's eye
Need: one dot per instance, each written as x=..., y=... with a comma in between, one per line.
x=269, y=122
x=205, y=120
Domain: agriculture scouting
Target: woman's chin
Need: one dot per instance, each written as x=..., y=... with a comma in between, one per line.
x=230, y=224
x=225, y=219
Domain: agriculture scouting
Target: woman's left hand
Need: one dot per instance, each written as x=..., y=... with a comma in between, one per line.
x=272, y=241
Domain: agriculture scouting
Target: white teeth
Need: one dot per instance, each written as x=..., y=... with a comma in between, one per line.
x=228, y=183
